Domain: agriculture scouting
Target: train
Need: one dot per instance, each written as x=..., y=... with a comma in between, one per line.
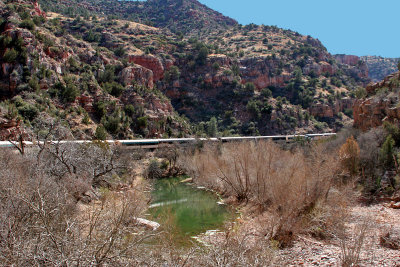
x=169, y=141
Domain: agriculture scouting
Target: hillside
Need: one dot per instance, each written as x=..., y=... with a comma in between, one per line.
x=126, y=79
x=379, y=104
x=182, y=16
x=380, y=67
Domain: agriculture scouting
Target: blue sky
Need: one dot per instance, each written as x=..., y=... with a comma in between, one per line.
x=356, y=27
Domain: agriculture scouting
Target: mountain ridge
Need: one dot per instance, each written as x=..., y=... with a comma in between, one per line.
x=132, y=80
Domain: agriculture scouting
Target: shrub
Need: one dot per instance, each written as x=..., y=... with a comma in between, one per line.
x=114, y=88
x=101, y=133
x=172, y=74
x=28, y=112
x=10, y=56
x=111, y=124
x=70, y=93
x=212, y=127
x=129, y=110
x=40, y=195
x=250, y=87
x=120, y=51
x=253, y=107
x=27, y=24
x=216, y=66
x=349, y=155
x=38, y=20
x=34, y=84
x=86, y=119
x=286, y=184
x=153, y=171
x=266, y=93
x=387, y=152
x=202, y=56
x=100, y=109
x=142, y=122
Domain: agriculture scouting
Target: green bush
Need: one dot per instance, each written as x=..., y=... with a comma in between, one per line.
x=142, y=122
x=216, y=66
x=101, y=133
x=70, y=93
x=100, y=109
x=129, y=110
x=34, y=84
x=5, y=41
x=28, y=111
x=172, y=74
x=112, y=124
x=38, y=20
x=86, y=119
x=212, y=127
x=387, y=152
x=266, y=93
x=114, y=88
x=27, y=24
x=10, y=56
x=202, y=56
x=120, y=51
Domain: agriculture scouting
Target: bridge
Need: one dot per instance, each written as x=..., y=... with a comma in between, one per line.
x=154, y=143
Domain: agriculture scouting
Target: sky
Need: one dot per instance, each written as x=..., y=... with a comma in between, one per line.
x=354, y=27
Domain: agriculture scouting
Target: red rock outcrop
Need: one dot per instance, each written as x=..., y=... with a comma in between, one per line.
x=321, y=111
x=329, y=111
x=86, y=101
x=347, y=59
x=259, y=70
x=376, y=109
x=372, y=113
x=137, y=75
x=150, y=62
x=9, y=129
x=371, y=88
x=38, y=11
x=320, y=68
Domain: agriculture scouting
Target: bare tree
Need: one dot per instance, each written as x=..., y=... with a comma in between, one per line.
x=284, y=183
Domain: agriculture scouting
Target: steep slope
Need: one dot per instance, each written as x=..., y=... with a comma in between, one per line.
x=262, y=79
x=49, y=73
x=95, y=70
x=184, y=16
x=380, y=67
x=380, y=103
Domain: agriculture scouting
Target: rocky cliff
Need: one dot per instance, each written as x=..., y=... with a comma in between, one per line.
x=132, y=79
x=47, y=71
x=380, y=67
x=381, y=104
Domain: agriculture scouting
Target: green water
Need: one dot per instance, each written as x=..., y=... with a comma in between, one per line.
x=190, y=211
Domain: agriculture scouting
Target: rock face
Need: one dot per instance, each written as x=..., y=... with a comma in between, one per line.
x=86, y=101
x=356, y=67
x=379, y=106
x=347, y=59
x=320, y=68
x=373, y=112
x=380, y=67
x=150, y=62
x=137, y=75
x=329, y=111
x=260, y=71
x=9, y=129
